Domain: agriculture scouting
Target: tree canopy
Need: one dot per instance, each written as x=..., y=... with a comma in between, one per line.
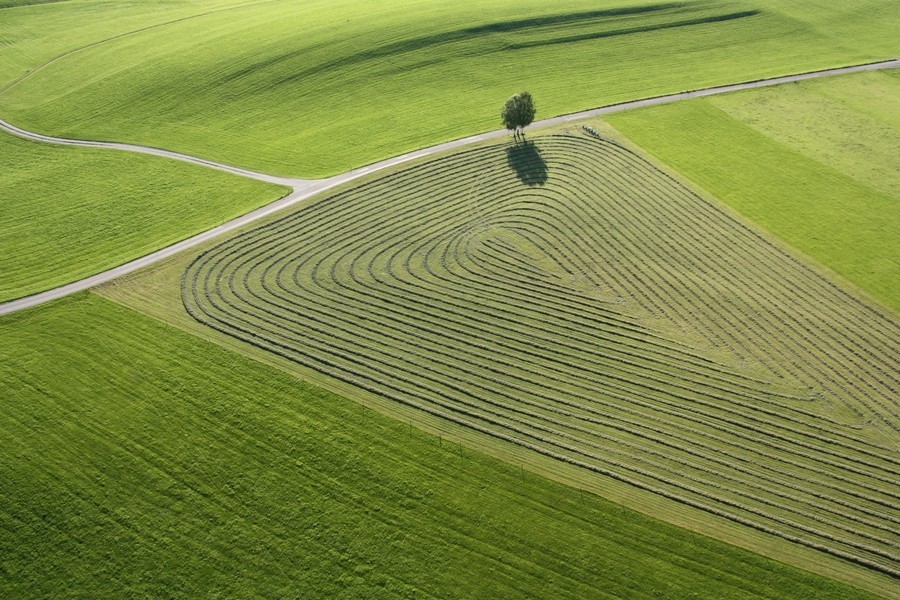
x=518, y=112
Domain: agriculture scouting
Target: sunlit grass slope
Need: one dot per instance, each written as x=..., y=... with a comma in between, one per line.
x=20, y=3
x=35, y=33
x=140, y=460
x=312, y=88
x=67, y=213
x=817, y=163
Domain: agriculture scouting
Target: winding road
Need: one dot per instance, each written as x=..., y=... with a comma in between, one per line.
x=303, y=189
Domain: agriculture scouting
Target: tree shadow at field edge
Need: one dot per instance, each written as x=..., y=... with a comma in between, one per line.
x=526, y=160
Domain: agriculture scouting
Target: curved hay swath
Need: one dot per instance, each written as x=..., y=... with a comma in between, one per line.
x=572, y=299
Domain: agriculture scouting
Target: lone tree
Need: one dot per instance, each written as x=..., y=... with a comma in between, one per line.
x=518, y=113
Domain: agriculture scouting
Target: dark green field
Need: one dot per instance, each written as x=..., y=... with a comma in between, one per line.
x=170, y=467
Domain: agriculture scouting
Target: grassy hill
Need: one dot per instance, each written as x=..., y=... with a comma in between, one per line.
x=71, y=212
x=141, y=460
x=815, y=163
x=313, y=88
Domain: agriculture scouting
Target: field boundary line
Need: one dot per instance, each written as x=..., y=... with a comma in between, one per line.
x=303, y=189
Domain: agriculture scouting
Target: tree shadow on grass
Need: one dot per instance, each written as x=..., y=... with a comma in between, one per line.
x=526, y=160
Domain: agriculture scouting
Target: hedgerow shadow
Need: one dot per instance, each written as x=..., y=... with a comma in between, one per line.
x=516, y=27
x=526, y=160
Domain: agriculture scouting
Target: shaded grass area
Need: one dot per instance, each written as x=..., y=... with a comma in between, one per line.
x=142, y=460
x=521, y=27
x=71, y=212
x=526, y=161
x=816, y=163
x=269, y=85
x=716, y=18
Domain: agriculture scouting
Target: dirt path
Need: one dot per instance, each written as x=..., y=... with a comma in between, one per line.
x=303, y=189
x=38, y=137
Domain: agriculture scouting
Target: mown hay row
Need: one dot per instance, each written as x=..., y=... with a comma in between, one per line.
x=571, y=298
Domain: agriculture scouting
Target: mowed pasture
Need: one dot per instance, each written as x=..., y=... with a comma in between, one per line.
x=815, y=162
x=570, y=299
x=68, y=213
x=141, y=460
x=314, y=88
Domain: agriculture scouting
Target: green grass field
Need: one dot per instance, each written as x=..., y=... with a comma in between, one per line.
x=815, y=163
x=570, y=299
x=313, y=88
x=71, y=212
x=20, y=3
x=141, y=460
x=531, y=324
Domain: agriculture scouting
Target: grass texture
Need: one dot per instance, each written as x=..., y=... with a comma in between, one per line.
x=18, y=3
x=140, y=460
x=71, y=212
x=314, y=88
x=816, y=163
x=570, y=299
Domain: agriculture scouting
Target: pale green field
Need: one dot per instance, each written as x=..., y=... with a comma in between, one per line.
x=313, y=88
x=68, y=213
x=816, y=163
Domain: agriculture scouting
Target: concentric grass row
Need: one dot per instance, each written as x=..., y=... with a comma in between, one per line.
x=571, y=298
